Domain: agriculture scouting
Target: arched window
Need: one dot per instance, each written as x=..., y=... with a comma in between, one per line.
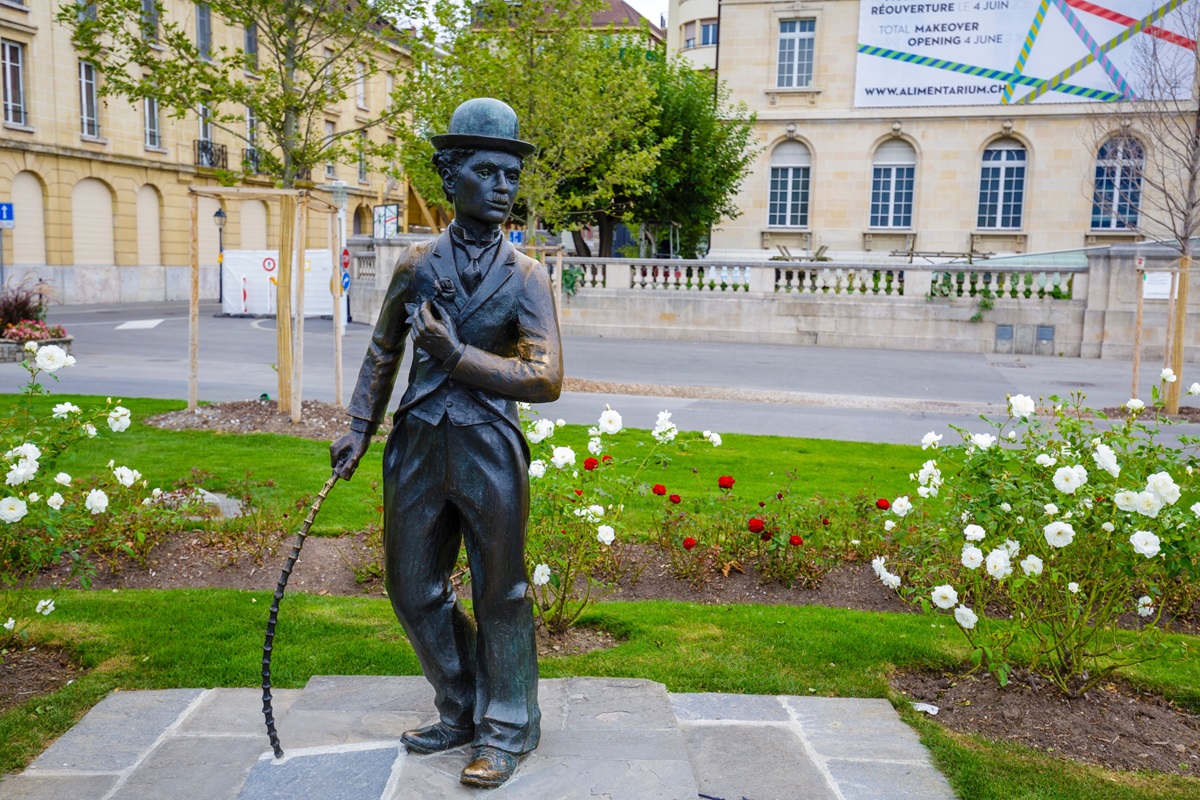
x=1002, y=185
x=92, y=223
x=892, y=180
x=149, y=230
x=29, y=238
x=1118, y=190
x=790, y=166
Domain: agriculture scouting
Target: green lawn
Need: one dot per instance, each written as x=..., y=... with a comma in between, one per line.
x=208, y=638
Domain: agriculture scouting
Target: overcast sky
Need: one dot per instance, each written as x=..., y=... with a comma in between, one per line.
x=650, y=9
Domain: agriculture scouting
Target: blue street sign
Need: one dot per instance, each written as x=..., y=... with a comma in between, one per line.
x=345, y=281
x=6, y=216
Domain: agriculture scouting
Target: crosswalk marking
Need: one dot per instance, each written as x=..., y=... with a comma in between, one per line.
x=139, y=324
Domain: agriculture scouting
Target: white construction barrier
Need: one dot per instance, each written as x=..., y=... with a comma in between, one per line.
x=249, y=282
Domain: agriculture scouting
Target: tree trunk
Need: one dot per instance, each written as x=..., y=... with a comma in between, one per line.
x=581, y=246
x=608, y=225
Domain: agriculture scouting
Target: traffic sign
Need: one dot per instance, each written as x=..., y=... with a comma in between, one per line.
x=269, y=264
x=346, y=281
x=6, y=216
x=345, y=258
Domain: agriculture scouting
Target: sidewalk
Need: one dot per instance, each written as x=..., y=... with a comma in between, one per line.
x=622, y=739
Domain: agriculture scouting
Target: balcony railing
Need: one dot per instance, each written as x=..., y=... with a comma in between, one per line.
x=250, y=161
x=209, y=154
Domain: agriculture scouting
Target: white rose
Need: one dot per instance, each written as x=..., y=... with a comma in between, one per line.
x=1073, y=587
x=1194, y=388
x=1005, y=507
x=605, y=534
x=541, y=575
x=1013, y=548
x=1045, y=460
x=1068, y=479
x=877, y=564
x=983, y=440
x=974, y=533
x=1164, y=487
x=63, y=409
x=1020, y=405
x=1145, y=543
x=55, y=501
x=51, y=358
x=901, y=506
x=889, y=524
x=118, y=419
x=1127, y=500
x=610, y=421
x=999, y=565
x=45, y=607
x=12, y=623
x=1133, y=404
x=12, y=509
x=930, y=439
x=541, y=429
x=1106, y=460
x=594, y=446
x=972, y=557
x=1148, y=504
x=1145, y=606
x=1032, y=565
x=537, y=469
x=23, y=471
x=1059, y=534
x=96, y=502
x=124, y=476
x=1167, y=375
x=1050, y=508
x=965, y=617
x=890, y=580
x=90, y=430
x=562, y=457
x=63, y=478
x=1108, y=526
x=31, y=347
x=715, y=439
x=945, y=596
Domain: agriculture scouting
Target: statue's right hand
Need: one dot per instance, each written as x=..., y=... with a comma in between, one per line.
x=346, y=451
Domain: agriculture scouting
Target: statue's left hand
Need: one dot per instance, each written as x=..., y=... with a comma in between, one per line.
x=435, y=333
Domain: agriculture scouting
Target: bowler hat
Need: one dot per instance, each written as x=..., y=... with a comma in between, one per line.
x=483, y=123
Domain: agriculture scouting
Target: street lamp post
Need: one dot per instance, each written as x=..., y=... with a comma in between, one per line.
x=219, y=221
x=340, y=195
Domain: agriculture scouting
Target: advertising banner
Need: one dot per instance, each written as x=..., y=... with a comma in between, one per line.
x=1001, y=52
x=249, y=282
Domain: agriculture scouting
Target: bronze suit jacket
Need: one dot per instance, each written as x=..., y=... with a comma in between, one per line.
x=509, y=326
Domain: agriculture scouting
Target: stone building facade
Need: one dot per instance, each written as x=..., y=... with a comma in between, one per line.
x=99, y=186
x=864, y=178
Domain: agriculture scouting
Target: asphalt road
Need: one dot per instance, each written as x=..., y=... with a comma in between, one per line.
x=141, y=350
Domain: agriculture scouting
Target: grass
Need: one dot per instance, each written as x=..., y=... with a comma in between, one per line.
x=204, y=638
x=149, y=639
x=297, y=467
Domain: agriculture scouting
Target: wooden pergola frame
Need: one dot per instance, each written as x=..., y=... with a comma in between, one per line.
x=294, y=205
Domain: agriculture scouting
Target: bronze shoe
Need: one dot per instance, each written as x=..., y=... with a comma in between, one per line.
x=489, y=768
x=436, y=738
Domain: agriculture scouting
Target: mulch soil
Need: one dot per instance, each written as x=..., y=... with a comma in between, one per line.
x=1115, y=726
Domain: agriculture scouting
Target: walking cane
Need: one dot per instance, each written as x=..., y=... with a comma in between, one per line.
x=273, y=617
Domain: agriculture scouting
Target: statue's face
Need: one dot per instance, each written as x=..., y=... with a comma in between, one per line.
x=486, y=186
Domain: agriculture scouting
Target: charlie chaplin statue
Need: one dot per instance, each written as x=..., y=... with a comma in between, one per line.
x=455, y=467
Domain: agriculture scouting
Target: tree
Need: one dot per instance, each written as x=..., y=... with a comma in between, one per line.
x=298, y=58
x=574, y=89
x=1147, y=176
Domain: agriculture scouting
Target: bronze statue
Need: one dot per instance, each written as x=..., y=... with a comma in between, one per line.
x=455, y=467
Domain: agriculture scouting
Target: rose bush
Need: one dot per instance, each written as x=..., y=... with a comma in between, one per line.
x=1041, y=541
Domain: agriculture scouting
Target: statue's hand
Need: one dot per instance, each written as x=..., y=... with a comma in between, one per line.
x=347, y=451
x=435, y=333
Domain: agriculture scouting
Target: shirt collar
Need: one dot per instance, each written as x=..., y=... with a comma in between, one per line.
x=460, y=236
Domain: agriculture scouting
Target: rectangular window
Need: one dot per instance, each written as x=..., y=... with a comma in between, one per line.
x=362, y=156
x=87, y=11
x=797, y=38
x=204, y=31
x=788, y=207
x=360, y=84
x=708, y=32
x=250, y=47
x=391, y=88
x=689, y=35
x=12, y=54
x=150, y=20
x=89, y=100
x=892, y=196
x=330, y=134
x=1002, y=189
x=153, y=131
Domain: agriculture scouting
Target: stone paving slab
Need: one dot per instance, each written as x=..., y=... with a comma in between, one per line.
x=619, y=739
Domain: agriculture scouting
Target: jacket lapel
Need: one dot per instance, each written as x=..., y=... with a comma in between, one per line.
x=442, y=261
x=500, y=272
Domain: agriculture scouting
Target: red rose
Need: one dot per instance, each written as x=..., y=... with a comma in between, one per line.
x=606, y=459
x=825, y=521
x=795, y=541
x=689, y=543
x=762, y=504
x=659, y=489
x=590, y=464
x=675, y=498
x=779, y=495
x=725, y=481
x=579, y=492
x=766, y=536
x=882, y=504
x=755, y=525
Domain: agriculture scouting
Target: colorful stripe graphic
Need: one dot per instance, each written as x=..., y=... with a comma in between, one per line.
x=1120, y=38
x=985, y=72
x=1085, y=36
x=1039, y=17
x=1149, y=30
